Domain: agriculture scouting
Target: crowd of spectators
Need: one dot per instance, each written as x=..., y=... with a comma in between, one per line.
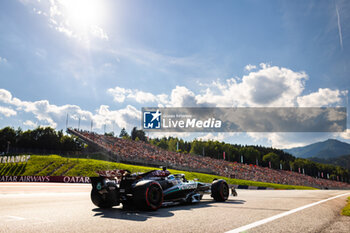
x=139, y=150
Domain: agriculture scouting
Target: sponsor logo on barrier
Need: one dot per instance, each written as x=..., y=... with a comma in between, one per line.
x=24, y=179
x=58, y=179
x=76, y=179
x=15, y=159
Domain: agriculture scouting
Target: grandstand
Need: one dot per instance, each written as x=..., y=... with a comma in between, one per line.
x=143, y=153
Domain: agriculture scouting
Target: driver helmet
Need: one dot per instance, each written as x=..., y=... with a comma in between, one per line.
x=171, y=177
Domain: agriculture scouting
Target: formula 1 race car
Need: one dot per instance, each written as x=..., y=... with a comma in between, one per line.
x=152, y=189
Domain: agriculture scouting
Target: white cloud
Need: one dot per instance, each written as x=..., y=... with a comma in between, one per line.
x=5, y=96
x=30, y=124
x=123, y=118
x=345, y=134
x=142, y=97
x=323, y=97
x=182, y=97
x=118, y=93
x=249, y=67
x=121, y=94
x=270, y=86
x=7, y=112
x=51, y=115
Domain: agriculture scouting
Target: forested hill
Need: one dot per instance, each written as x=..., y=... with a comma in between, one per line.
x=343, y=161
x=328, y=149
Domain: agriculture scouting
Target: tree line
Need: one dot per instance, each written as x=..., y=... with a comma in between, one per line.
x=42, y=138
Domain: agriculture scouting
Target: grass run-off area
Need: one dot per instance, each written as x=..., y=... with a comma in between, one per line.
x=54, y=165
x=346, y=210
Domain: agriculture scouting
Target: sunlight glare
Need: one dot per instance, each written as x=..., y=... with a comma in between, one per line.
x=83, y=13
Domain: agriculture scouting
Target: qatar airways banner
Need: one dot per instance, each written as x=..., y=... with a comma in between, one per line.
x=57, y=179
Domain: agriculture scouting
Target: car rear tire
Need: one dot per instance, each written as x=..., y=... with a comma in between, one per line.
x=220, y=190
x=148, y=196
x=100, y=200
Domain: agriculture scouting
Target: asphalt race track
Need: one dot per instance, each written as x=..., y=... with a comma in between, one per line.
x=50, y=207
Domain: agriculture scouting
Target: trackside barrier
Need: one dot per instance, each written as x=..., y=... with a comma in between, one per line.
x=251, y=187
x=57, y=179
x=83, y=179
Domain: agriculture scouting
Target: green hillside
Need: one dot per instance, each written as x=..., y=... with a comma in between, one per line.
x=55, y=165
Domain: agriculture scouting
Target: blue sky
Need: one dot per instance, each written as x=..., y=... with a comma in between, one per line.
x=104, y=61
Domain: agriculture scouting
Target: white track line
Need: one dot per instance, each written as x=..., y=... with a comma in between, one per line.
x=266, y=220
x=43, y=186
x=13, y=218
x=16, y=195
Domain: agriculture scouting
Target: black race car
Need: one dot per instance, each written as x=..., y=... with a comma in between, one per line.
x=151, y=190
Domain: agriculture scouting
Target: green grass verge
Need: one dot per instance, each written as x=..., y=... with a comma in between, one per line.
x=346, y=210
x=57, y=165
